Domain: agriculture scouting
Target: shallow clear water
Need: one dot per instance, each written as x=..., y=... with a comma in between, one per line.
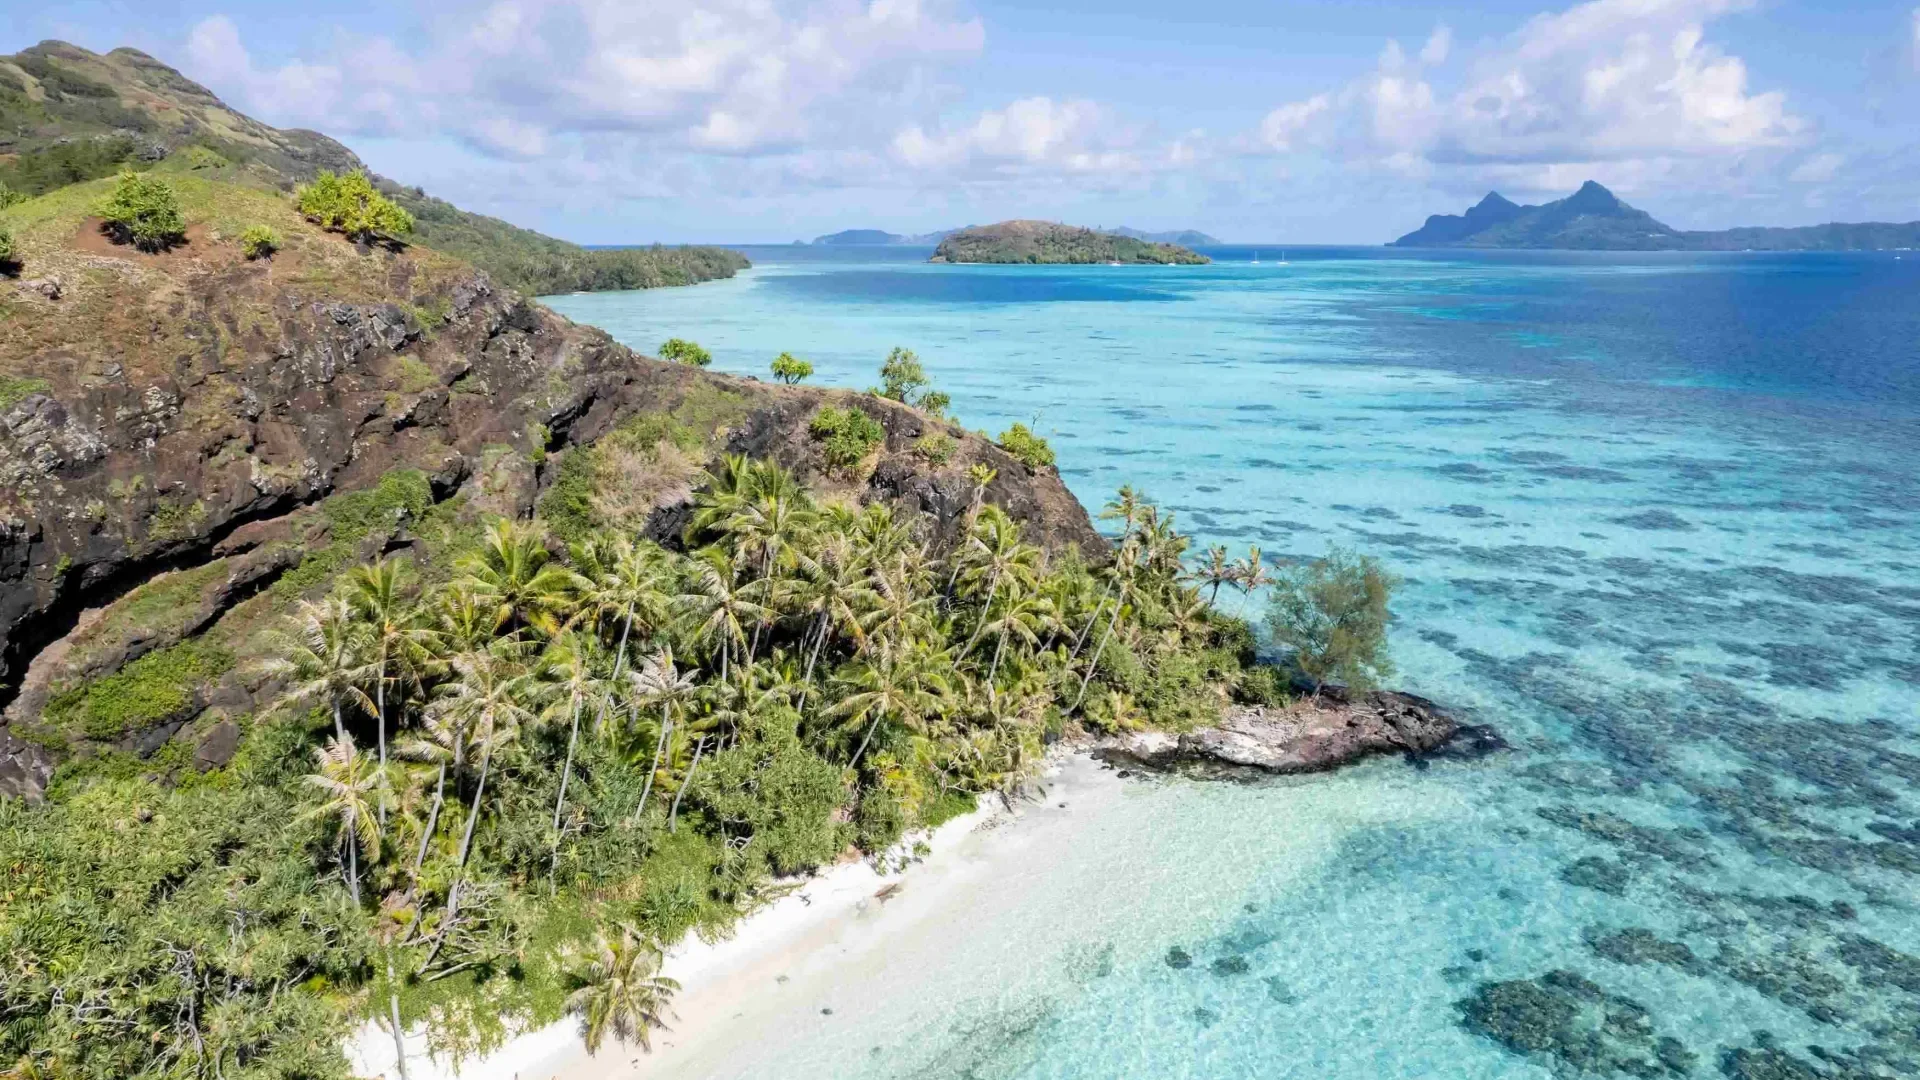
x=1657, y=517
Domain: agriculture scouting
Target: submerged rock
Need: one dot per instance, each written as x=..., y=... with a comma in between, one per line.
x=1311, y=735
x=1572, y=1019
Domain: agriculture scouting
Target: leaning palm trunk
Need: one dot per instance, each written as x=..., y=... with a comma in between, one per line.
x=1081, y=641
x=674, y=813
x=466, y=849
x=433, y=821
x=659, y=748
x=353, y=863
x=865, y=739
x=339, y=728
x=380, y=724
x=993, y=587
x=393, y=1009
x=560, y=800
x=998, y=648
x=819, y=639
x=1098, y=652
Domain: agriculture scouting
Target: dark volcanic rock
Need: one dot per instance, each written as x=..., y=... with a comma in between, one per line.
x=1307, y=736
x=24, y=768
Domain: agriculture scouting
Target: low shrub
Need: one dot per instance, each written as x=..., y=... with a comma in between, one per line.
x=9, y=251
x=848, y=433
x=259, y=242
x=144, y=212
x=351, y=205
x=936, y=447
x=1031, y=449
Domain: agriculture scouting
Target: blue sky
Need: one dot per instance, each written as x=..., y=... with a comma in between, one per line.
x=769, y=120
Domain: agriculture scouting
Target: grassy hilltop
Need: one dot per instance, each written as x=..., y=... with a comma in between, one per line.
x=68, y=115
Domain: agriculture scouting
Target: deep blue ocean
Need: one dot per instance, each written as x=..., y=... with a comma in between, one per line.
x=1658, y=517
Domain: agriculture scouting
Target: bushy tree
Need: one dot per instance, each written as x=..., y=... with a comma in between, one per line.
x=682, y=351
x=10, y=197
x=1331, y=613
x=351, y=205
x=904, y=379
x=259, y=242
x=143, y=211
x=790, y=369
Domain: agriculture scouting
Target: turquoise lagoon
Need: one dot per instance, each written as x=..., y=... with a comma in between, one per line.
x=1659, y=521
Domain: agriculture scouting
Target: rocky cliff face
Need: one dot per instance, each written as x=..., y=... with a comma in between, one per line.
x=168, y=412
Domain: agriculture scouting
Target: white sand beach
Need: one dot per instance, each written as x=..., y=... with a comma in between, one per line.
x=843, y=911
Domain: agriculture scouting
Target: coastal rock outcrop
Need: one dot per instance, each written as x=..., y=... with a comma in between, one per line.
x=1305, y=736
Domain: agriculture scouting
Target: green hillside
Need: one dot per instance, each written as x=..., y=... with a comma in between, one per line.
x=68, y=115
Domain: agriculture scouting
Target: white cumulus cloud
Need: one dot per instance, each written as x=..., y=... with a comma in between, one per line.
x=1633, y=84
x=511, y=77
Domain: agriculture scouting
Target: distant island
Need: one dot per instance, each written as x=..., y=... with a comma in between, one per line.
x=878, y=237
x=871, y=237
x=1183, y=237
x=1048, y=242
x=1595, y=219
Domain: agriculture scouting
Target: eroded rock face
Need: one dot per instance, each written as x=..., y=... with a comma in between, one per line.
x=1307, y=736
x=174, y=408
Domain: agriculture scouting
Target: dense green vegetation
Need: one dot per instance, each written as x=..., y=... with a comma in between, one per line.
x=8, y=249
x=351, y=205
x=1047, y=242
x=512, y=783
x=143, y=211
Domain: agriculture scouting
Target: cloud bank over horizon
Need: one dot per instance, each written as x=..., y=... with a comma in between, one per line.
x=788, y=114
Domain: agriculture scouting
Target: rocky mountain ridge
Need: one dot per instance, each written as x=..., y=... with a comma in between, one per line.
x=1593, y=218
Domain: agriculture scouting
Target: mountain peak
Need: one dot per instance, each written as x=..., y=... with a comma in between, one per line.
x=1493, y=199
x=1593, y=197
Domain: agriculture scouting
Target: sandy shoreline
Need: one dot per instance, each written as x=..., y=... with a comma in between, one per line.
x=842, y=913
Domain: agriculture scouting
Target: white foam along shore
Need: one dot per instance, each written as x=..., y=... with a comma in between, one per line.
x=849, y=907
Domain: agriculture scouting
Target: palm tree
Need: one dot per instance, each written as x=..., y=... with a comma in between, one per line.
x=997, y=556
x=1249, y=574
x=514, y=570
x=377, y=594
x=569, y=658
x=1216, y=571
x=440, y=742
x=347, y=781
x=485, y=698
x=658, y=680
x=832, y=590
x=619, y=988
x=325, y=656
x=720, y=607
x=892, y=685
x=1023, y=617
x=1125, y=570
